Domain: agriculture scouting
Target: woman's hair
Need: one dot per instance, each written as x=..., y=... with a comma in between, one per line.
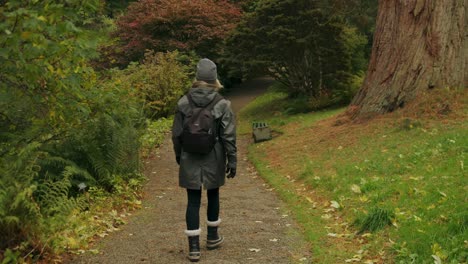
x=202, y=84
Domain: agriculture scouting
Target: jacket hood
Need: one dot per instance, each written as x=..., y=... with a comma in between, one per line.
x=202, y=96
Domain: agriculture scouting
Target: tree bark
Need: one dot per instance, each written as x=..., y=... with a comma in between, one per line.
x=418, y=45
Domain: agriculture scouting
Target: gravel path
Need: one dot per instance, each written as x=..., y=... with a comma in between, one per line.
x=253, y=217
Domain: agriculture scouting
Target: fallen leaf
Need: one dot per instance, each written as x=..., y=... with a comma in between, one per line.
x=93, y=251
x=355, y=188
x=326, y=216
x=363, y=198
x=335, y=204
x=437, y=259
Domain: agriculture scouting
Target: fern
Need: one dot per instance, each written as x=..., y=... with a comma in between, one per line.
x=38, y=183
x=53, y=195
x=56, y=162
x=19, y=212
x=78, y=175
x=114, y=149
x=65, y=168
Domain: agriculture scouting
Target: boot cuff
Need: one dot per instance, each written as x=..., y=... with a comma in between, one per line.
x=214, y=223
x=191, y=233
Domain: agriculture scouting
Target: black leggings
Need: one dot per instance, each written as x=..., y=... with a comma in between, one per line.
x=192, y=215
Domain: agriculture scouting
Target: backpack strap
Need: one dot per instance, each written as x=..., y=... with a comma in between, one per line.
x=210, y=107
x=190, y=100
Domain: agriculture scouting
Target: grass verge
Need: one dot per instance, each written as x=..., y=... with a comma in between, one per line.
x=275, y=108
x=392, y=190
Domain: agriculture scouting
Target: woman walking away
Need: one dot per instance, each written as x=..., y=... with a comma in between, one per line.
x=204, y=138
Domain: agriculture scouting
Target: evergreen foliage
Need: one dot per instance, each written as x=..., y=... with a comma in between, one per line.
x=115, y=7
x=360, y=14
x=300, y=44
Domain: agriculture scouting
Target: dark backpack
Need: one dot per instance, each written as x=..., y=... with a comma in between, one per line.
x=199, y=128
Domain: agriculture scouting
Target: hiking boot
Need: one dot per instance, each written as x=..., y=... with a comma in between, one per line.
x=213, y=239
x=194, y=245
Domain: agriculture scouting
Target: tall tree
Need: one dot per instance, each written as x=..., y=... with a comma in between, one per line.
x=298, y=43
x=418, y=45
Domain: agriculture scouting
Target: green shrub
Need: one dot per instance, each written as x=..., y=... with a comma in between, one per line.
x=154, y=134
x=159, y=81
x=345, y=95
x=61, y=127
x=39, y=191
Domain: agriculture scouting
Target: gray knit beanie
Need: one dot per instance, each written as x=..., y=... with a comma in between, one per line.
x=206, y=71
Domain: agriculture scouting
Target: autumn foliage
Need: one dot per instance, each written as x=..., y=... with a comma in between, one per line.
x=166, y=25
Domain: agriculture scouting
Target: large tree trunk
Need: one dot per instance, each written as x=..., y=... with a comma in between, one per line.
x=418, y=45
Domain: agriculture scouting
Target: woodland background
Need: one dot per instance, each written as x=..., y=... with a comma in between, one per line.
x=88, y=88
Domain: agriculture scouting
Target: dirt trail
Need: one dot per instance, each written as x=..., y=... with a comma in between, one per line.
x=252, y=216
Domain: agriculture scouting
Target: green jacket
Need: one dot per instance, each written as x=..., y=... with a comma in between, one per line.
x=209, y=169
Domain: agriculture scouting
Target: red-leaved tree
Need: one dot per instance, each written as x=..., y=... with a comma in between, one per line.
x=166, y=25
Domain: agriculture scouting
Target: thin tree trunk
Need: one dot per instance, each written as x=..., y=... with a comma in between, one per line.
x=418, y=45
